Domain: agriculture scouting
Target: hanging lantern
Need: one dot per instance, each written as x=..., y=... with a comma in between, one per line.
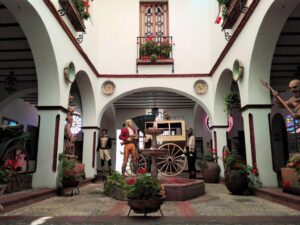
x=11, y=82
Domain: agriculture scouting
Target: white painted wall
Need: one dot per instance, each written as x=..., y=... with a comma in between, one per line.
x=119, y=27
x=21, y=111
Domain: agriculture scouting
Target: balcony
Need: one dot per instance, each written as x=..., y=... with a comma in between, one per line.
x=235, y=9
x=156, y=50
x=72, y=13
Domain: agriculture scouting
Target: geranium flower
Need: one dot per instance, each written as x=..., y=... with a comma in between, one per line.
x=130, y=181
x=254, y=171
x=286, y=184
x=218, y=20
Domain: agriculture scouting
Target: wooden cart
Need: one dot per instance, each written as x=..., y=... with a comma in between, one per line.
x=173, y=139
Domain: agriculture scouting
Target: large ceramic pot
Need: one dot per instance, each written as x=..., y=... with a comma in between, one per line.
x=2, y=188
x=211, y=172
x=70, y=183
x=236, y=182
x=145, y=206
x=290, y=181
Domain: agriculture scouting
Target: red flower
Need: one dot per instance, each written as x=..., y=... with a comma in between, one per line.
x=87, y=6
x=142, y=170
x=254, y=171
x=286, y=184
x=130, y=181
x=218, y=20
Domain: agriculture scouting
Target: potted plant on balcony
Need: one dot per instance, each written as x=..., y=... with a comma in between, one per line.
x=154, y=49
x=223, y=10
x=291, y=175
x=210, y=167
x=144, y=195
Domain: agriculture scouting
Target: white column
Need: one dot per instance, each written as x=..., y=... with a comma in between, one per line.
x=219, y=137
x=50, y=144
x=258, y=144
x=89, y=154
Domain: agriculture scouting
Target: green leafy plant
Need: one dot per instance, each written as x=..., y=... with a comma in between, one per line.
x=235, y=162
x=145, y=188
x=224, y=4
x=152, y=48
x=230, y=99
x=66, y=169
x=115, y=180
x=6, y=174
x=294, y=162
x=82, y=7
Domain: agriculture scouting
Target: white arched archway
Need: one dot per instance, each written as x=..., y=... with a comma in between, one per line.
x=153, y=88
x=41, y=47
x=263, y=49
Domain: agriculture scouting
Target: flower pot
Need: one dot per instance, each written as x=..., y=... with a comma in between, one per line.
x=290, y=181
x=142, y=206
x=2, y=188
x=236, y=183
x=211, y=172
x=70, y=183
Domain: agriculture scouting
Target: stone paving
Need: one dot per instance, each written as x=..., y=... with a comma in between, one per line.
x=215, y=204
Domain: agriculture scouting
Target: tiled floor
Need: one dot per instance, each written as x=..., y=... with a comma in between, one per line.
x=217, y=206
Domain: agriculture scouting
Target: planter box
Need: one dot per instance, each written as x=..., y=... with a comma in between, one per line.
x=72, y=14
x=234, y=11
x=290, y=181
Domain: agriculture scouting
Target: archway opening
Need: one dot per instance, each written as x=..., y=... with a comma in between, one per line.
x=168, y=109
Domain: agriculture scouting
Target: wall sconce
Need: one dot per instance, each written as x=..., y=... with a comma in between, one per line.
x=11, y=82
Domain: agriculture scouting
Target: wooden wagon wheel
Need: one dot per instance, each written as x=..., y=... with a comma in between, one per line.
x=17, y=158
x=142, y=163
x=172, y=163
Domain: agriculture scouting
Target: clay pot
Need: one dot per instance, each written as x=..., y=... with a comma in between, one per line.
x=211, y=172
x=236, y=183
x=145, y=206
x=70, y=183
x=290, y=181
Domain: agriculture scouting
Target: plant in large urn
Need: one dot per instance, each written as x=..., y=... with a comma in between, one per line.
x=239, y=177
x=145, y=195
x=210, y=167
x=291, y=175
x=67, y=175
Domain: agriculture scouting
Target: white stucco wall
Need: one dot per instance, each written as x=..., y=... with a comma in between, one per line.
x=21, y=111
x=119, y=27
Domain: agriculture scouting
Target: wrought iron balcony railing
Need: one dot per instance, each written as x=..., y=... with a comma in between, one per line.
x=155, y=49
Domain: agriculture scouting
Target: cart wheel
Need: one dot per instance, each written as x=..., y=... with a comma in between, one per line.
x=17, y=157
x=174, y=162
x=142, y=163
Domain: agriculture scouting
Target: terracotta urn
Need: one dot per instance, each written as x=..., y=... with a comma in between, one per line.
x=236, y=182
x=144, y=206
x=211, y=172
x=290, y=180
